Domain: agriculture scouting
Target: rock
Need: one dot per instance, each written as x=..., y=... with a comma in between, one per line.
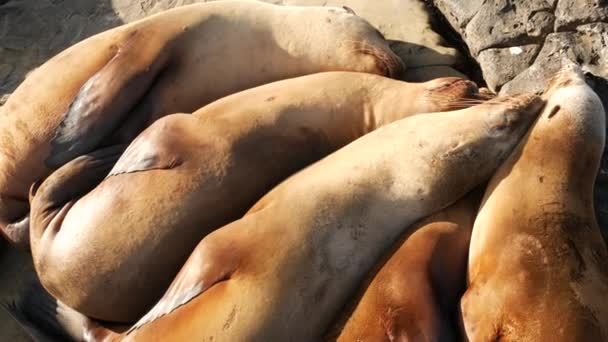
x=490, y=28
x=499, y=66
x=503, y=23
x=572, y=13
x=458, y=12
x=588, y=46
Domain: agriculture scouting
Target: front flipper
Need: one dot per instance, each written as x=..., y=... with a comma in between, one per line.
x=105, y=100
x=160, y=147
x=214, y=260
x=68, y=183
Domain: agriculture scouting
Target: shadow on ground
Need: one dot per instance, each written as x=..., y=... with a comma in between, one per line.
x=32, y=31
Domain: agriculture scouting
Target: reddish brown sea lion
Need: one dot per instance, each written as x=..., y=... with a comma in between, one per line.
x=189, y=174
x=107, y=88
x=538, y=267
x=414, y=292
x=283, y=271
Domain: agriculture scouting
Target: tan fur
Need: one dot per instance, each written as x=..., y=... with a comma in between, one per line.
x=121, y=80
x=413, y=293
x=188, y=175
x=284, y=270
x=538, y=268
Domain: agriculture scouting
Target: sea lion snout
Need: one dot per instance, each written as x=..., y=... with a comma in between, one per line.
x=517, y=113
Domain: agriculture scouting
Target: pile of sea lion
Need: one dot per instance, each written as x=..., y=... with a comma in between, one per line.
x=170, y=189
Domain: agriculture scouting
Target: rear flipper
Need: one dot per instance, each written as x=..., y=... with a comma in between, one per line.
x=68, y=183
x=17, y=233
x=44, y=318
x=106, y=99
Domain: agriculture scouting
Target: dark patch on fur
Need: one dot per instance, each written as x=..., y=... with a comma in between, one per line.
x=230, y=319
x=569, y=228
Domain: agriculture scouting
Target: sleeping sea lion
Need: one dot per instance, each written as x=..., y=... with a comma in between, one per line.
x=538, y=267
x=104, y=90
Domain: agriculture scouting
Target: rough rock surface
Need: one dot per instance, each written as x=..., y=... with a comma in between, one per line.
x=516, y=42
x=31, y=31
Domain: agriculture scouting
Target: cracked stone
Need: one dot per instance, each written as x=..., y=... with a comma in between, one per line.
x=499, y=66
x=458, y=12
x=588, y=46
x=503, y=23
x=572, y=13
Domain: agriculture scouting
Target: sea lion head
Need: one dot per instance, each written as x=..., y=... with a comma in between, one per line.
x=569, y=75
x=505, y=114
x=354, y=42
x=492, y=128
x=450, y=93
x=468, y=145
x=572, y=104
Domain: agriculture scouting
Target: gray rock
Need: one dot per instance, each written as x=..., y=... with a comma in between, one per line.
x=458, y=12
x=588, y=46
x=504, y=23
x=572, y=13
x=499, y=66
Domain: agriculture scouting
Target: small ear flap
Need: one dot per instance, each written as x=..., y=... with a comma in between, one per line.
x=105, y=100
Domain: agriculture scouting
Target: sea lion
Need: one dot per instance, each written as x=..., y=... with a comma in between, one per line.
x=538, y=267
x=107, y=88
x=284, y=270
x=413, y=293
x=189, y=174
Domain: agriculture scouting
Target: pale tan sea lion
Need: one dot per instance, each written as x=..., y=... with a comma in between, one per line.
x=413, y=293
x=283, y=271
x=107, y=88
x=187, y=175
x=538, y=267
